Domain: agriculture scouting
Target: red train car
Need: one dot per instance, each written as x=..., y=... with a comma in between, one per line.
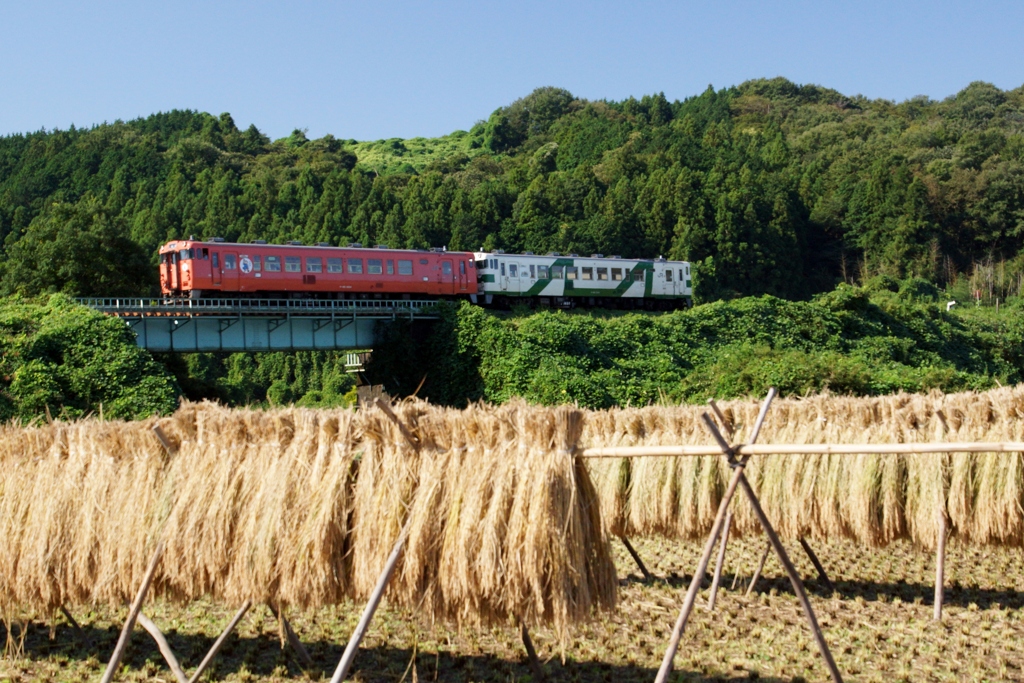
x=196, y=269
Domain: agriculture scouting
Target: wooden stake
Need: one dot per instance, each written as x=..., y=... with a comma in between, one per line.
x=164, y=441
x=709, y=547
x=726, y=425
x=371, y=607
x=636, y=558
x=940, y=566
x=822, y=576
x=133, y=613
x=413, y=441
x=293, y=640
x=531, y=657
x=219, y=643
x=165, y=649
x=760, y=566
x=71, y=619
x=718, y=565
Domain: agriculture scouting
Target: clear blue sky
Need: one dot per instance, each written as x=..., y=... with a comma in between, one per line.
x=382, y=69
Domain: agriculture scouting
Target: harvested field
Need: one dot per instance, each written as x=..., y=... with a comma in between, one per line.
x=871, y=499
x=878, y=624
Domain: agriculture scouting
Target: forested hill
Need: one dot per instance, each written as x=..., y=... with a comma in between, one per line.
x=769, y=187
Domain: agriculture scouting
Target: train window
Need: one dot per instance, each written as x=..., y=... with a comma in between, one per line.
x=216, y=260
x=542, y=272
x=292, y=264
x=314, y=265
x=513, y=271
x=355, y=265
x=502, y=268
x=586, y=273
x=556, y=272
x=446, y=267
x=257, y=262
x=668, y=275
x=334, y=265
x=206, y=254
x=423, y=261
x=462, y=267
x=616, y=274
x=229, y=261
x=391, y=267
x=494, y=263
x=680, y=274
x=533, y=273
x=273, y=264
x=471, y=263
x=638, y=276
x=404, y=267
x=570, y=272
x=602, y=273
x=185, y=254
x=374, y=266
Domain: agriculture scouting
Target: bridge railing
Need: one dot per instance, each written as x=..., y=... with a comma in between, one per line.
x=156, y=305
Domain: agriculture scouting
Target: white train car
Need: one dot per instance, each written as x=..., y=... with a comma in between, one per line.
x=572, y=280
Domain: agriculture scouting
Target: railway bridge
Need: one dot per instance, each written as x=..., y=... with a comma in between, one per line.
x=185, y=325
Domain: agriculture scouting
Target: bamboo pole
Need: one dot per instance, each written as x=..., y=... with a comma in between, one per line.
x=133, y=613
x=940, y=546
x=691, y=593
x=636, y=558
x=718, y=565
x=165, y=649
x=940, y=567
x=780, y=550
x=806, y=449
x=219, y=643
x=794, y=578
x=757, y=573
x=817, y=565
x=720, y=562
x=371, y=607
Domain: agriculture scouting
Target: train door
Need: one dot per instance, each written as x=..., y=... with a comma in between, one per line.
x=215, y=268
x=512, y=279
x=230, y=275
x=503, y=276
x=463, y=277
x=172, y=269
x=447, y=277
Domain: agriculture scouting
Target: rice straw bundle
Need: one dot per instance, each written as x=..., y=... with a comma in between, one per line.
x=76, y=511
x=873, y=499
x=506, y=530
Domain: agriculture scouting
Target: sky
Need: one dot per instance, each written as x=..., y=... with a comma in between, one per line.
x=377, y=70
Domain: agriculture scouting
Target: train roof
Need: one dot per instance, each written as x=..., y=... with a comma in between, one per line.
x=555, y=254
x=354, y=246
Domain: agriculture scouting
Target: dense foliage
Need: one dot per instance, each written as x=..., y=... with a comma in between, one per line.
x=886, y=337
x=769, y=187
x=315, y=379
x=777, y=192
x=66, y=360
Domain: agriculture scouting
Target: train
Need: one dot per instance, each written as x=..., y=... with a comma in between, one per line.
x=215, y=268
